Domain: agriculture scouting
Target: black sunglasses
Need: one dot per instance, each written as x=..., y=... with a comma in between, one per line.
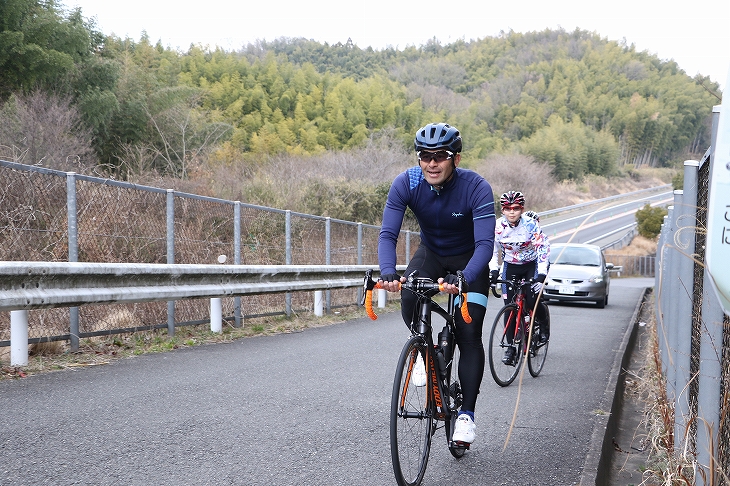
x=439, y=156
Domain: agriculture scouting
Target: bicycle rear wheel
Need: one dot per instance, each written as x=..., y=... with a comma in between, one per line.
x=503, y=374
x=538, y=353
x=412, y=418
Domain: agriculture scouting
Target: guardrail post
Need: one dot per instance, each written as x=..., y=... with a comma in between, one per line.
x=170, y=233
x=328, y=257
x=382, y=298
x=318, y=303
x=287, y=256
x=685, y=241
x=73, y=252
x=19, y=338
x=216, y=315
x=237, y=320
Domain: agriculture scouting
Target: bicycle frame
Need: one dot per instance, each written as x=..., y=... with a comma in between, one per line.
x=520, y=333
x=426, y=289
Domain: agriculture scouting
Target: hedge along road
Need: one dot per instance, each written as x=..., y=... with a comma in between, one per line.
x=308, y=408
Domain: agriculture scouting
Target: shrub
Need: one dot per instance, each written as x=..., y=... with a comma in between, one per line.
x=650, y=220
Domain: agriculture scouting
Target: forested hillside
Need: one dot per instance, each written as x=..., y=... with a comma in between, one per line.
x=580, y=103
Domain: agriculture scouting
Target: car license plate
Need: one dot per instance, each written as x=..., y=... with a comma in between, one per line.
x=566, y=290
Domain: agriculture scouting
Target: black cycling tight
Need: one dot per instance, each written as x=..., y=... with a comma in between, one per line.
x=468, y=336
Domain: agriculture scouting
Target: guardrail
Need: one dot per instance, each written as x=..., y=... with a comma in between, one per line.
x=552, y=212
x=37, y=285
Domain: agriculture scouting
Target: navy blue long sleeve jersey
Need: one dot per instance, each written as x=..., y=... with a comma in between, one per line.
x=454, y=220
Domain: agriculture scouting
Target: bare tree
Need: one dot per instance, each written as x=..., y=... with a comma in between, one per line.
x=522, y=173
x=184, y=131
x=44, y=129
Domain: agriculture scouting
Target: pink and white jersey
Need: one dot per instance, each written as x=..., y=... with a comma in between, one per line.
x=525, y=242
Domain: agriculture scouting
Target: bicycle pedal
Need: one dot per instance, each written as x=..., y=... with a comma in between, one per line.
x=458, y=443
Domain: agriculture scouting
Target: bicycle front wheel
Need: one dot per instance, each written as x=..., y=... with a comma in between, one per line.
x=503, y=373
x=412, y=418
x=538, y=352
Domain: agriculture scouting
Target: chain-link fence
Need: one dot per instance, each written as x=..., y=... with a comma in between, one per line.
x=48, y=215
x=632, y=265
x=694, y=332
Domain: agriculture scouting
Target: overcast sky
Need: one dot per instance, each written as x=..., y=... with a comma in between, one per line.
x=695, y=34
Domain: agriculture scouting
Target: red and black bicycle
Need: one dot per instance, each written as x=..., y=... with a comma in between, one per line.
x=514, y=327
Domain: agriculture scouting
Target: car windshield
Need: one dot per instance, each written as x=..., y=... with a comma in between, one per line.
x=575, y=256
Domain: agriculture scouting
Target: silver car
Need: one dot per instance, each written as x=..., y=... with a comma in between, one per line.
x=578, y=273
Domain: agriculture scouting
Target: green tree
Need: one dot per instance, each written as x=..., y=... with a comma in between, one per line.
x=40, y=44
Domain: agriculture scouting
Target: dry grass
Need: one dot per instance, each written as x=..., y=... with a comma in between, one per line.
x=639, y=246
x=663, y=467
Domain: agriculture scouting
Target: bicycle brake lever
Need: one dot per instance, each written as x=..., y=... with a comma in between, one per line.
x=460, y=276
x=368, y=285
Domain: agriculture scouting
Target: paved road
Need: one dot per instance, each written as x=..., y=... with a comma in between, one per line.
x=307, y=408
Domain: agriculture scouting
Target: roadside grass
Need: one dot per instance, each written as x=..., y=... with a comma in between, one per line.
x=663, y=467
x=98, y=351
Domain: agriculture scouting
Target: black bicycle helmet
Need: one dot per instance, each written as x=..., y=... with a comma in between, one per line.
x=512, y=197
x=436, y=136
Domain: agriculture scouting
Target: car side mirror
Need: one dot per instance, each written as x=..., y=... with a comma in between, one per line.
x=609, y=266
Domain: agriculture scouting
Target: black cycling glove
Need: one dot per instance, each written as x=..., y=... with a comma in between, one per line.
x=390, y=277
x=493, y=276
x=454, y=280
x=540, y=278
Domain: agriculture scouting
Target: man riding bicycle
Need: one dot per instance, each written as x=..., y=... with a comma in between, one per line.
x=524, y=250
x=455, y=210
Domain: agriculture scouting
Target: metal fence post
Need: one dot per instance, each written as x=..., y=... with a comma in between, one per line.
x=237, y=321
x=328, y=257
x=359, y=257
x=73, y=252
x=708, y=400
x=408, y=247
x=170, y=237
x=672, y=319
x=287, y=257
x=685, y=241
x=665, y=298
x=710, y=373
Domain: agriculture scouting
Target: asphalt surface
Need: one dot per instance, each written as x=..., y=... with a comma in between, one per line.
x=308, y=408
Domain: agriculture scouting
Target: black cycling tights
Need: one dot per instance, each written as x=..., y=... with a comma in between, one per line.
x=468, y=336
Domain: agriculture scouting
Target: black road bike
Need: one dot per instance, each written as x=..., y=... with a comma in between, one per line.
x=512, y=327
x=426, y=392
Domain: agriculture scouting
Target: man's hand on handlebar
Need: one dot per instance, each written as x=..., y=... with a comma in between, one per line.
x=451, y=284
x=391, y=281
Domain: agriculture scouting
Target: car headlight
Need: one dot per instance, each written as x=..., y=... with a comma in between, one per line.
x=596, y=279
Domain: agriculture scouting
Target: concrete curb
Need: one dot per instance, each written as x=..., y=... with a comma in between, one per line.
x=597, y=465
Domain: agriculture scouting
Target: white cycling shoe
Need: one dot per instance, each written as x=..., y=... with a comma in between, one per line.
x=418, y=376
x=465, y=429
